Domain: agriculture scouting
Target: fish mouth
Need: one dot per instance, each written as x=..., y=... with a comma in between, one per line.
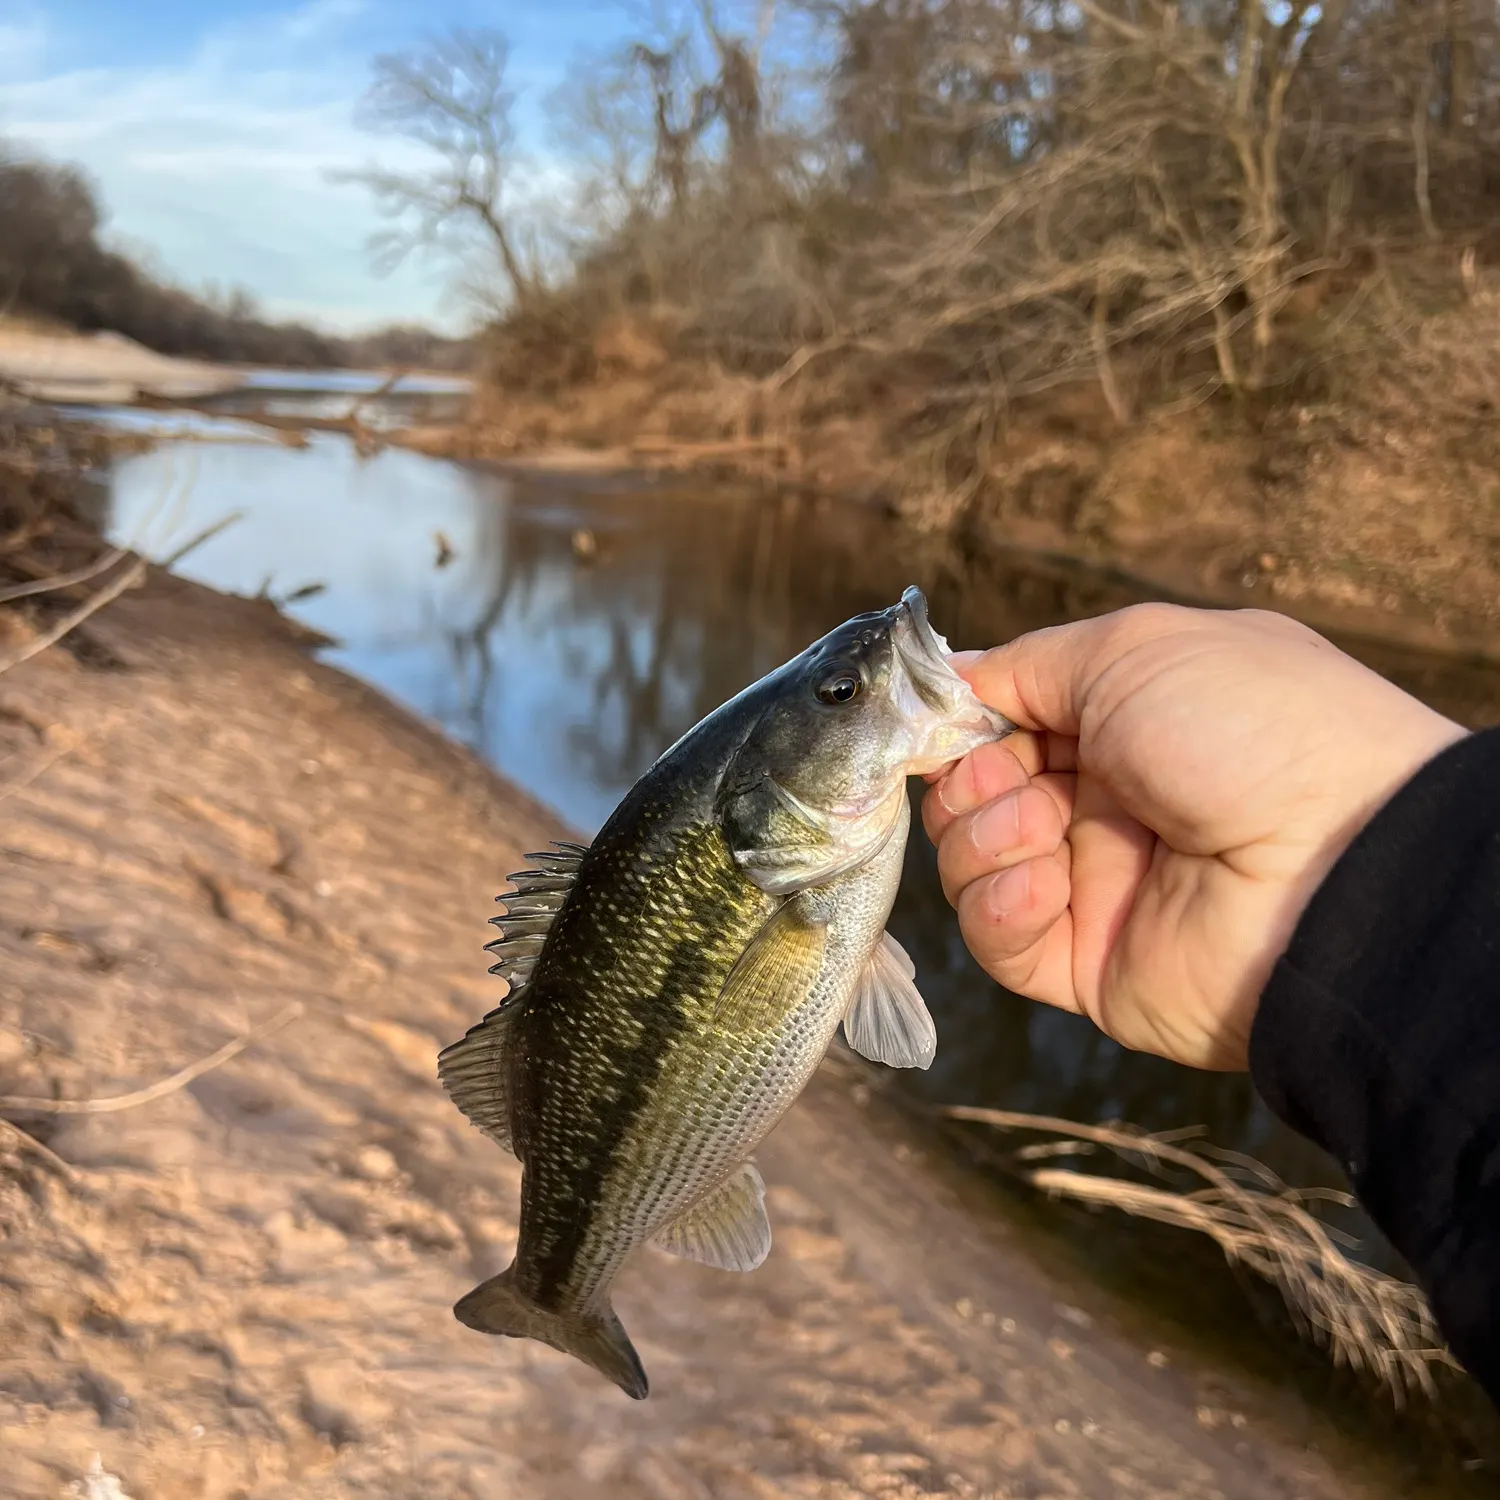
x=924, y=654
x=918, y=642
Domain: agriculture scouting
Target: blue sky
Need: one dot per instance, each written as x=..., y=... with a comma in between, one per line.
x=210, y=127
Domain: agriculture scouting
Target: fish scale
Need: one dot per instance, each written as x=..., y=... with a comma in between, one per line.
x=721, y=1095
x=609, y=1035
x=675, y=985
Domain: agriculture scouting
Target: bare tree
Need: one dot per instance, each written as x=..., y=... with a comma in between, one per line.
x=450, y=97
x=680, y=113
x=948, y=208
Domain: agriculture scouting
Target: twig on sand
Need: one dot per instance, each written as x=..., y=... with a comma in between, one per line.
x=30, y=1143
x=1367, y=1319
x=110, y=592
x=195, y=541
x=63, y=580
x=180, y=1079
x=70, y=621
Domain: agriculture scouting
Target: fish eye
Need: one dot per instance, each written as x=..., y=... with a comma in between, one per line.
x=842, y=685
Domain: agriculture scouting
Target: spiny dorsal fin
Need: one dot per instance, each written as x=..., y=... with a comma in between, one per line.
x=727, y=1227
x=529, y=909
x=887, y=1020
x=475, y=1070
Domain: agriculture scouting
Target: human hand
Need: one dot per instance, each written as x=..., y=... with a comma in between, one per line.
x=1141, y=850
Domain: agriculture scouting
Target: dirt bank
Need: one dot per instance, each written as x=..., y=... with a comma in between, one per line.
x=242, y=1287
x=1372, y=492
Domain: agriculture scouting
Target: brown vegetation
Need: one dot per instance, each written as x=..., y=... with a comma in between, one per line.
x=1129, y=272
x=1366, y=1319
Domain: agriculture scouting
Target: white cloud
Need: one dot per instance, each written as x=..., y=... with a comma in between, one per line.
x=318, y=17
x=221, y=161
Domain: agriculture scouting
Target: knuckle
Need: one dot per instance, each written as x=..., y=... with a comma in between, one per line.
x=1143, y=622
x=1274, y=622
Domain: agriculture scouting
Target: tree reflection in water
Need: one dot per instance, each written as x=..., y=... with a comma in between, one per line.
x=572, y=670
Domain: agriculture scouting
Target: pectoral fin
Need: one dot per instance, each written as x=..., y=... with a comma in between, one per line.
x=727, y=1228
x=887, y=1020
x=775, y=973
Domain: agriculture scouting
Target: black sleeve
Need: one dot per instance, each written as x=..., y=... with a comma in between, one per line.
x=1378, y=1035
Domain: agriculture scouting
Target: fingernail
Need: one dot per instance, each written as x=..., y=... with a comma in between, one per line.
x=1009, y=890
x=997, y=827
x=956, y=789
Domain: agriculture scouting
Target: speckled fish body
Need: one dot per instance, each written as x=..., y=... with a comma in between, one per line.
x=675, y=985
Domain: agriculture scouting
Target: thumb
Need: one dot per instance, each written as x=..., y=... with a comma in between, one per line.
x=1042, y=680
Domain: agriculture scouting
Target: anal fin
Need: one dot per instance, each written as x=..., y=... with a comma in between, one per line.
x=727, y=1227
x=888, y=1020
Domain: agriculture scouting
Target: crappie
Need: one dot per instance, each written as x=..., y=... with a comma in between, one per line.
x=675, y=985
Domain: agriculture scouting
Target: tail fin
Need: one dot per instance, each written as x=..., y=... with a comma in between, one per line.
x=600, y=1340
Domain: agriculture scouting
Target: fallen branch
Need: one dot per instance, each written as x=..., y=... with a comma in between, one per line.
x=63, y=580
x=20, y=1103
x=108, y=594
x=1367, y=1319
x=357, y=406
x=655, y=447
x=36, y=1148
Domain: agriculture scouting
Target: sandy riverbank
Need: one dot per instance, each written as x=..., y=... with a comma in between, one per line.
x=55, y=365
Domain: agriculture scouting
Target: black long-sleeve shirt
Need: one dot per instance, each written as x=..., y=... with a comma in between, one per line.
x=1378, y=1035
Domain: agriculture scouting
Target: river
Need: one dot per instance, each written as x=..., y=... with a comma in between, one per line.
x=568, y=630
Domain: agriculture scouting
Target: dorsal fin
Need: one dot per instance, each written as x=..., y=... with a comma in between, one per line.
x=475, y=1070
x=529, y=909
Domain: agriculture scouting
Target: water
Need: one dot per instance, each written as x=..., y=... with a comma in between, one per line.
x=381, y=400
x=568, y=632
x=354, y=382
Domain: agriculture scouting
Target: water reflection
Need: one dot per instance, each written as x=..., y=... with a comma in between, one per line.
x=467, y=596
x=382, y=401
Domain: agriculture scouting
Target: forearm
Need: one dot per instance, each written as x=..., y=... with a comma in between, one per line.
x=1378, y=1035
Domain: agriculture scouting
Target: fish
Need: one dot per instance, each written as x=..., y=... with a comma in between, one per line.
x=674, y=984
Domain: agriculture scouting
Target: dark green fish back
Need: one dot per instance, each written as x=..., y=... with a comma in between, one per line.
x=637, y=956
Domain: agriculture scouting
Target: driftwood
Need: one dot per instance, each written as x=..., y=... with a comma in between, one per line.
x=1366, y=1319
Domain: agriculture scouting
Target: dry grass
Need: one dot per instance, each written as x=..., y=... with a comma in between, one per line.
x=1365, y=1319
x=1128, y=280
x=41, y=536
